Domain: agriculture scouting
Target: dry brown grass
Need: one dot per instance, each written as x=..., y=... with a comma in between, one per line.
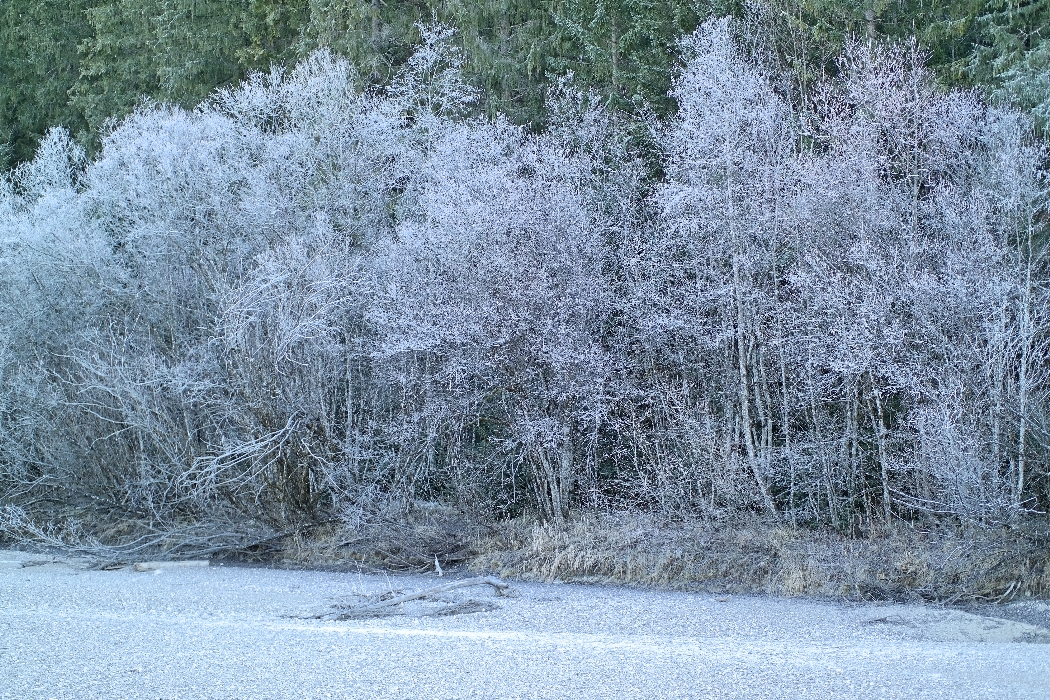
x=943, y=562
x=948, y=563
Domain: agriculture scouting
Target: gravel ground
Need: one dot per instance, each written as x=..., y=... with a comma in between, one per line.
x=227, y=632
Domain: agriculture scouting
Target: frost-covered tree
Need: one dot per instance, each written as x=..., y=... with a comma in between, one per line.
x=213, y=354
x=53, y=270
x=832, y=303
x=305, y=299
x=707, y=305
x=924, y=280
x=492, y=303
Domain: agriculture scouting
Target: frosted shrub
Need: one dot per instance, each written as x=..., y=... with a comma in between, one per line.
x=492, y=301
x=708, y=291
x=305, y=300
x=840, y=299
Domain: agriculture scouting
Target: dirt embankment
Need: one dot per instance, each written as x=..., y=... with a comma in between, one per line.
x=948, y=564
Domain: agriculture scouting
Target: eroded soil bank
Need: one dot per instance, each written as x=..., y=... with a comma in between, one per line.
x=946, y=564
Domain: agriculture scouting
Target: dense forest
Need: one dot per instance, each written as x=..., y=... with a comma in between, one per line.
x=274, y=263
x=79, y=63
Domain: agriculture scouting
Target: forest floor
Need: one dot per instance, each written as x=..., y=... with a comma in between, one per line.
x=69, y=629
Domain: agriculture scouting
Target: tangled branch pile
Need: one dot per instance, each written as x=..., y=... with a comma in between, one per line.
x=304, y=301
x=434, y=600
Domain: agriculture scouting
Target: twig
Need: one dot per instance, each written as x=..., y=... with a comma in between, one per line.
x=500, y=587
x=158, y=565
x=1008, y=591
x=383, y=608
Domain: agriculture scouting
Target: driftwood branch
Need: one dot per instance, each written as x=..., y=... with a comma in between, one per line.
x=378, y=608
x=159, y=565
x=500, y=587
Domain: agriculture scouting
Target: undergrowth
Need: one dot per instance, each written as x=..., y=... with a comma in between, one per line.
x=945, y=561
x=948, y=563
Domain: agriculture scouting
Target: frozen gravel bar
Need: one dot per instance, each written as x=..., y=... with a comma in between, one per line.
x=227, y=632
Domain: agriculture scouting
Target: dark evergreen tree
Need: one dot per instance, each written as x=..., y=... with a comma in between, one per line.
x=376, y=36
x=39, y=63
x=627, y=49
x=177, y=51
x=81, y=62
x=1013, y=56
